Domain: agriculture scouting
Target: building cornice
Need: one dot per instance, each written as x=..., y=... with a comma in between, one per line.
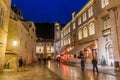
x=85, y=8
x=80, y=12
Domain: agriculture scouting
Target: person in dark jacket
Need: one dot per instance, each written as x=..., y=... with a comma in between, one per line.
x=94, y=62
x=82, y=63
x=20, y=61
x=24, y=64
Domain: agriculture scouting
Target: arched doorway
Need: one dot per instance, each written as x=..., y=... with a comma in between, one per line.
x=109, y=51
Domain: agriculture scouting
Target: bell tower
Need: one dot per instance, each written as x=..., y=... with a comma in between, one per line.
x=57, y=31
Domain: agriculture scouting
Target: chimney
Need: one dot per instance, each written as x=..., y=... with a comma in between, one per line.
x=73, y=15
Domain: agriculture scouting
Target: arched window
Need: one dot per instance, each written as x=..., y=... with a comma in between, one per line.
x=85, y=32
x=91, y=29
x=80, y=34
x=104, y=3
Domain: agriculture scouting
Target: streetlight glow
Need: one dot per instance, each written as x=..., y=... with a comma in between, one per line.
x=14, y=43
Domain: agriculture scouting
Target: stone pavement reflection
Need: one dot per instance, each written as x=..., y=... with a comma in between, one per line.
x=102, y=69
x=74, y=73
x=33, y=72
x=54, y=71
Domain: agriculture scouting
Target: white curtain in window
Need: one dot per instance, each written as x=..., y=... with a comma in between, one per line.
x=91, y=29
x=80, y=34
x=85, y=32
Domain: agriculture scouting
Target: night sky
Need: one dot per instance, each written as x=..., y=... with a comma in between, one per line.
x=49, y=10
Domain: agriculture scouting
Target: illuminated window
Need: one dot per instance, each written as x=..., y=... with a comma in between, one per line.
x=52, y=49
x=85, y=32
x=92, y=28
x=90, y=11
x=104, y=3
x=84, y=17
x=48, y=49
x=79, y=20
x=39, y=49
x=74, y=26
x=68, y=40
x=42, y=49
x=80, y=34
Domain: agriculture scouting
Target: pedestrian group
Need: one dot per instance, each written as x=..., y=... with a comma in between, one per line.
x=94, y=62
x=21, y=65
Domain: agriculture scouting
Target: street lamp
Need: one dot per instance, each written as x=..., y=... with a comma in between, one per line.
x=14, y=43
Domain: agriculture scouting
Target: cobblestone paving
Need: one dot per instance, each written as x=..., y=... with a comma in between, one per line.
x=54, y=71
x=75, y=73
x=34, y=72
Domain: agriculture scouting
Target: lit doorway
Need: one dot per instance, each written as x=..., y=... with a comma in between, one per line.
x=110, y=58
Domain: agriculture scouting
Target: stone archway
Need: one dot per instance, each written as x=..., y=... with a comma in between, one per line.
x=109, y=51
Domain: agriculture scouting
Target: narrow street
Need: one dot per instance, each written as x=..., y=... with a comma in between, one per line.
x=54, y=71
x=34, y=71
x=74, y=73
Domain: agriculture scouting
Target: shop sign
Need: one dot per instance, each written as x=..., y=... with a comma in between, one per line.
x=106, y=32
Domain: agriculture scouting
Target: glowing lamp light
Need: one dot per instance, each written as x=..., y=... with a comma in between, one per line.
x=14, y=43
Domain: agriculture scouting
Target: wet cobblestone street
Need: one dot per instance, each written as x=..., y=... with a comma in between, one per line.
x=33, y=72
x=54, y=71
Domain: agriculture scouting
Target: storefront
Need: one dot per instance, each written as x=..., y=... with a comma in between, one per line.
x=89, y=50
x=65, y=55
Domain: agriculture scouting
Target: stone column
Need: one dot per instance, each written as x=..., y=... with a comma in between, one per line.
x=114, y=34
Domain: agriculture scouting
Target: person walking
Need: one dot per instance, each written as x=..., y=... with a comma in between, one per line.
x=24, y=64
x=94, y=62
x=44, y=59
x=82, y=63
x=20, y=61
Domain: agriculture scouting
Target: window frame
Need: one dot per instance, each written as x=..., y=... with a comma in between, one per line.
x=85, y=32
x=79, y=20
x=74, y=26
x=91, y=28
x=80, y=34
x=106, y=23
x=84, y=16
x=90, y=11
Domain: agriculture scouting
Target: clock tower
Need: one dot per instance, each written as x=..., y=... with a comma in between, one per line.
x=57, y=31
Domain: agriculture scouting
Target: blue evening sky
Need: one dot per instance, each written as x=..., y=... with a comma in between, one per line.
x=49, y=10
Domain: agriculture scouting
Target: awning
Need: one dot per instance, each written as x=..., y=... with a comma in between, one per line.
x=79, y=48
x=10, y=52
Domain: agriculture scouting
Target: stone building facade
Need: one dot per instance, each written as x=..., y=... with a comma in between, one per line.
x=95, y=31
x=57, y=39
x=45, y=48
x=21, y=40
x=4, y=21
